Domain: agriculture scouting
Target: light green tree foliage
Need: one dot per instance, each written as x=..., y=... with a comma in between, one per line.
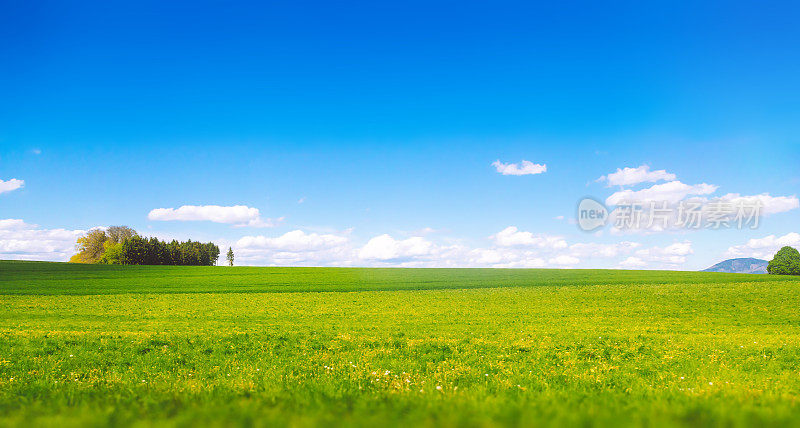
x=95, y=244
x=113, y=253
x=90, y=247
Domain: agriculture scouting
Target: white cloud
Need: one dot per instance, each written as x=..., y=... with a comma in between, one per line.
x=628, y=176
x=523, y=168
x=764, y=248
x=679, y=249
x=10, y=185
x=659, y=206
x=670, y=192
x=673, y=255
x=769, y=204
x=588, y=250
x=511, y=237
x=384, y=247
x=632, y=263
x=238, y=215
x=512, y=249
x=509, y=248
x=296, y=240
x=23, y=241
x=564, y=260
x=13, y=224
x=312, y=249
x=497, y=258
x=295, y=248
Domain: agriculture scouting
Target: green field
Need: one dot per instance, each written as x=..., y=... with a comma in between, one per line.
x=90, y=345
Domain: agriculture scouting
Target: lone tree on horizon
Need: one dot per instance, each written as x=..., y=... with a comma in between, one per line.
x=785, y=262
x=230, y=256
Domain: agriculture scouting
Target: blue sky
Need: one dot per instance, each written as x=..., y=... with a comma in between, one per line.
x=365, y=134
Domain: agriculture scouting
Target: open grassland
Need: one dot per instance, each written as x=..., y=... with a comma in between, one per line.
x=99, y=345
x=43, y=278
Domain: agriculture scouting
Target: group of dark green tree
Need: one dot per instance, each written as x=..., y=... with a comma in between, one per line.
x=785, y=262
x=121, y=245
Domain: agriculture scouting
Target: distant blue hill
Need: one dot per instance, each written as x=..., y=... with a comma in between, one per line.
x=742, y=265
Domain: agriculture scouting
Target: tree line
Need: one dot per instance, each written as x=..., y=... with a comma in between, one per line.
x=121, y=245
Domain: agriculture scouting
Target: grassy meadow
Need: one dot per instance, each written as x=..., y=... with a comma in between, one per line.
x=90, y=345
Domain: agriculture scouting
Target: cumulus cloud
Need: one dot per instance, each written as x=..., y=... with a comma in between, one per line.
x=295, y=248
x=675, y=205
x=674, y=254
x=769, y=204
x=672, y=212
x=670, y=192
x=502, y=258
x=511, y=237
x=522, y=168
x=510, y=248
x=237, y=215
x=632, y=263
x=764, y=248
x=629, y=176
x=588, y=250
x=23, y=241
x=296, y=240
x=384, y=247
x=10, y=185
x=13, y=224
x=564, y=260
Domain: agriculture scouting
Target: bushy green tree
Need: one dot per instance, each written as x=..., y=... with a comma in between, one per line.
x=134, y=251
x=113, y=253
x=118, y=234
x=90, y=247
x=93, y=245
x=230, y=256
x=210, y=254
x=785, y=262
